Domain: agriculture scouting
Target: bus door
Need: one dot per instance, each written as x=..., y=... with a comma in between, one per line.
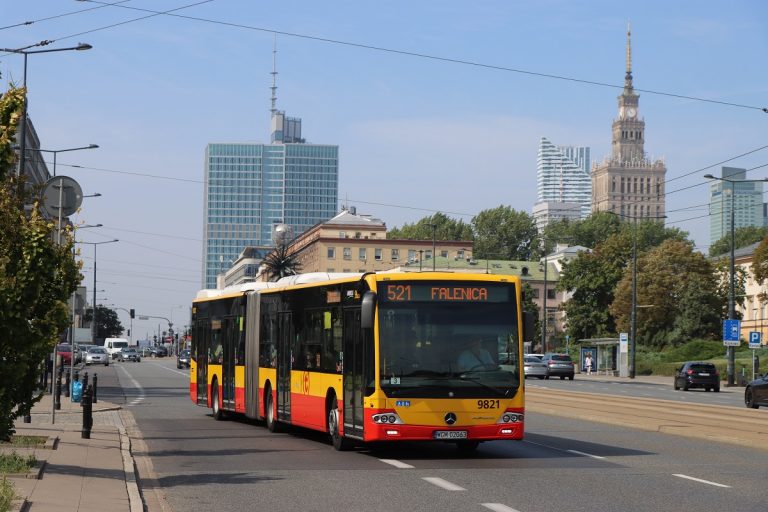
x=229, y=332
x=354, y=382
x=202, y=343
x=284, y=364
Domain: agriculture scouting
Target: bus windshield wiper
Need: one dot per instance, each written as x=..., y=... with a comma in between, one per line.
x=486, y=386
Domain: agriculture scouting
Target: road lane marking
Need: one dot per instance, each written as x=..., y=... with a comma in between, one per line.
x=396, y=463
x=136, y=384
x=445, y=484
x=498, y=507
x=585, y=454
x=700, y=480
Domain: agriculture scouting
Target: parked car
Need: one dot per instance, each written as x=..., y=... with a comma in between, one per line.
x=183, y=358
x=83, y=350
x=128, y=354
x=534, y=367
x=756, y=393
x=537, y=356
x=158, y=351
x=696, y=374
x=558, y=365
x=97, y=355
x=65, y=351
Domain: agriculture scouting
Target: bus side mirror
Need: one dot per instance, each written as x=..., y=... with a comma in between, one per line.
x=529, y=325
x=368, y=309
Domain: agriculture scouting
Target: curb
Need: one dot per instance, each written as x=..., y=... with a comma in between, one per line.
x=129, y=467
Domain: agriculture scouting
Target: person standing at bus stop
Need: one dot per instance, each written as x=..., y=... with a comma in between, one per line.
x=588, y=363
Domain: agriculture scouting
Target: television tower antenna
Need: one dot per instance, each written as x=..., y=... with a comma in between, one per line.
x=274, y=74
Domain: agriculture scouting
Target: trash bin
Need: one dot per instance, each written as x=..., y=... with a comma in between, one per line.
x=77, y=391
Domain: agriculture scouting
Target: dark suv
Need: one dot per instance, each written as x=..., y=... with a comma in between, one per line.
x=183, y=358
x=558, y=365
x=158, y=351
x=695, y=374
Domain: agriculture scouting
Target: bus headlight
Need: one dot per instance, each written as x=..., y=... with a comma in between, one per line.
x=511, y=417
x=387, y=418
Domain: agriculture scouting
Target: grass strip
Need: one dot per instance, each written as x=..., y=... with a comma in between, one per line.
x=7, y=495
x=15, y=463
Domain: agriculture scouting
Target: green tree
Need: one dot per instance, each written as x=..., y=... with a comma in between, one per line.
x=760, y=265
x=742, y=237
x=281, y=263
x=445, y=228
x=37, y=277
x=589, y=232
x=503, y=233
x=108, y=324
x=677, y=296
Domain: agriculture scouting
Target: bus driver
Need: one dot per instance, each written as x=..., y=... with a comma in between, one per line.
x=475, y=357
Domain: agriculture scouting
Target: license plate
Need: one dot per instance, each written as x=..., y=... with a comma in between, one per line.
x=703, y=375
x=450, y=434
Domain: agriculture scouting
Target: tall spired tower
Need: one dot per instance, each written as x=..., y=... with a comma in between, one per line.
x=626, y=182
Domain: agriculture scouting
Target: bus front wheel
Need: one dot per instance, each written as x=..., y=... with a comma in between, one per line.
x=339, y=443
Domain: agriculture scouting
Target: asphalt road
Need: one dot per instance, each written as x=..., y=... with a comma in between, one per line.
x=188, y=461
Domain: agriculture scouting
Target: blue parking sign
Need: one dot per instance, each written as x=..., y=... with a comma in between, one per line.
x=754, y=339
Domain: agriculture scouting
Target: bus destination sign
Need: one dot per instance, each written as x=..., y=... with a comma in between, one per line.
x=444, y=292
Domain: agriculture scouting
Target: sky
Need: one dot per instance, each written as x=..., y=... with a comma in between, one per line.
x=435, y=106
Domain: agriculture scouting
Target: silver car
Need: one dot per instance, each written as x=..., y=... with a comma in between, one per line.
x=97, y=355
x=534, y=367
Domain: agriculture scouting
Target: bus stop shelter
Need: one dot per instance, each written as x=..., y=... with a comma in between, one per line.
x=605, y=353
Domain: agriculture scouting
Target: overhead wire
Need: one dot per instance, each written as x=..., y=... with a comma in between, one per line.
x=172, y=13
x=63, y=15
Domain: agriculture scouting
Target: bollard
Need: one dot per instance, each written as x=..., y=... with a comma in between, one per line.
x=85, y=383
x=28, y=417
x=95, y=389
x=57, y=394
x=87, y=413
x=67, y=385
x=77, y=375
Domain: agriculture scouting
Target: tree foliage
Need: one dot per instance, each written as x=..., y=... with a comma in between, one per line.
x=108, y=324
x=504, y=233
x=36, y=279
x=760, y=265
x=445, y=228
x=742, y=237
x=592, y=278
x=281, y=263
x=677, y=297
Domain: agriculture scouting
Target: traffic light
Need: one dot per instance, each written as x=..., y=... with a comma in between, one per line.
x=133, y=313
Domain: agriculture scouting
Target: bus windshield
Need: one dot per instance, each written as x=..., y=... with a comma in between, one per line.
x=449, y=348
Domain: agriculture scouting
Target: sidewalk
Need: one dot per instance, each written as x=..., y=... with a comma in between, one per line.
x=79, y=475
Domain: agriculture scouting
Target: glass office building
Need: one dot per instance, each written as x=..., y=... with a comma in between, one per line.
x=745, y=197
x=251, y=187
x=562, y=175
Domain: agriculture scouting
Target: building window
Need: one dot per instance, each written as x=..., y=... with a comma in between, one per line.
x=331, y=253
x=342, y=234
x=411, y=255
x=428, y=254
x=535, y=293
x=361, y=254
x=395, y=254
x=551, y=293
x=460, y=254
x=330, y=270
x=347, y=253
x=377, y=254
x=443, y=254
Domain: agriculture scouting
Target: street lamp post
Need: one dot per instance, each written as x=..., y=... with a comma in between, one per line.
x=93, y=316
x=57, y=151
x=26, y=51
x=732, y=267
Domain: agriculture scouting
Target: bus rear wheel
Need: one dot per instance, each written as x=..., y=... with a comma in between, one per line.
x=218, y=415
x=338, y=441
x=269, y=411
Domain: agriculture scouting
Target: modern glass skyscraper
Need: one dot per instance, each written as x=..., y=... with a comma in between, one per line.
x=251, y=187
x=562, y=176
x=746, y=199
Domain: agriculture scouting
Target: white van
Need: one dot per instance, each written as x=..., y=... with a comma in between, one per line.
x=115, y=345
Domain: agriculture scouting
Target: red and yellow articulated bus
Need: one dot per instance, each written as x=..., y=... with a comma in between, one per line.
x=373, y=357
